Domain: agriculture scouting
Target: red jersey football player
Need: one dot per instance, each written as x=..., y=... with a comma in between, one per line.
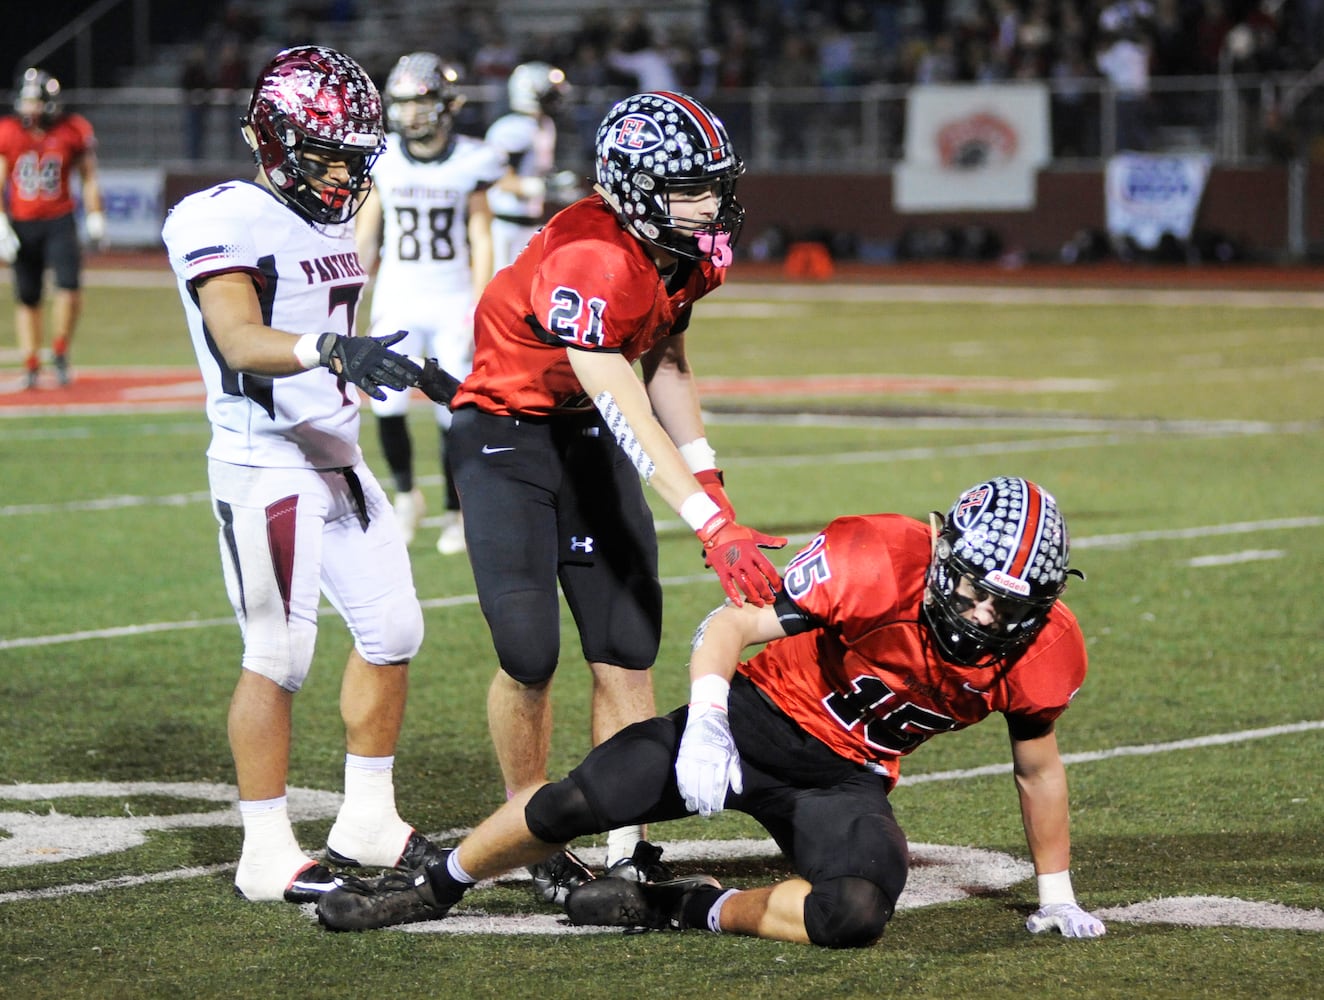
x=885, y=632
x=553, y=431
x=41, y=146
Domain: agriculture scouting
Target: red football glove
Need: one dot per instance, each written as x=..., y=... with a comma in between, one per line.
x=732, y=551
x=714, y=484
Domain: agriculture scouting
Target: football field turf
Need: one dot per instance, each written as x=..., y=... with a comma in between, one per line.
x=1182, y=432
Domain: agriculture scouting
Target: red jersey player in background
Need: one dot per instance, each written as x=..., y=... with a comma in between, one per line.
x=553, y=431
x=41, y=146
x=885, y=632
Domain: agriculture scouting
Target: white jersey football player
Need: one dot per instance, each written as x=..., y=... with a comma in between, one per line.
x=427, y=227
x=527, y=135
x=270, y=281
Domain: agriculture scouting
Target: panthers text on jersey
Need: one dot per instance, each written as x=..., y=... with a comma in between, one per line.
x=425, y=216
x=40, y=162
x=582, y=283
x=866, y=680
x=309, y=280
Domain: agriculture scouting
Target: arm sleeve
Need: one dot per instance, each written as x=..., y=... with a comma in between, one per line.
x=793, y=618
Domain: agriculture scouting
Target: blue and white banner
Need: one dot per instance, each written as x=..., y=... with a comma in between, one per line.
x=134, y=202
x=1149, y=194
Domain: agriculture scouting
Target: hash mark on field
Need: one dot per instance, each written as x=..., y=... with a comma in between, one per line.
x=1232, y=558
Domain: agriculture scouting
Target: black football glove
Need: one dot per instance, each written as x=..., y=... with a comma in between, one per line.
x=437, y=384
x=367, y=362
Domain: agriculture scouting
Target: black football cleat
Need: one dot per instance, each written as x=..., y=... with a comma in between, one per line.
x=620, y=902
x=361, y=904
x=418, y=852
x=555, y=878
x=311, y=884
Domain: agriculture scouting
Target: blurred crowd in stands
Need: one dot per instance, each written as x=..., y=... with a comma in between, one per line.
x=831, y=43
x=1074, y=45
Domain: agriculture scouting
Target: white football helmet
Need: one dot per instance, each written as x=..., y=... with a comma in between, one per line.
x=536, y=88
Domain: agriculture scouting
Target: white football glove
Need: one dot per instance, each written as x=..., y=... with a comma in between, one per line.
x=96, y=227
x=8, y=241
x=707, y=763
x=1068, y=918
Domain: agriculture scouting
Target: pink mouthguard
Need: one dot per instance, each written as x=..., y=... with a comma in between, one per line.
x=717, y=247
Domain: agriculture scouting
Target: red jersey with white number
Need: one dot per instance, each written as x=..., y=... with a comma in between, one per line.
x=582, y=283
x=868, y=681
x=39, y=165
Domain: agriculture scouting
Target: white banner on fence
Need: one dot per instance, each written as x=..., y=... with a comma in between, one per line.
x=1150, y=194
x=134, y=200
x=972, y=147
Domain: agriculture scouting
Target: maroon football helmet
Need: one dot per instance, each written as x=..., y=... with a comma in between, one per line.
x=313, y=106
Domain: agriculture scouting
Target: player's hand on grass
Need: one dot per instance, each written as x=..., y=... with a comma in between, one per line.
x=1068, y=918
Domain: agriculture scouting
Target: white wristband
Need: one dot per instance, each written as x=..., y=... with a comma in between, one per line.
x=1055, y=888
x=710, y=689
x=698, y=509
x=306, y=350
x=698, y=455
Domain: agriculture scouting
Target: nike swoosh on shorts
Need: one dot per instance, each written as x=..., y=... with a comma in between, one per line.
x=489, y=450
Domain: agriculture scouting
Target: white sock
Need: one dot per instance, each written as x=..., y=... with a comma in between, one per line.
x=715, y=912
x=621, y=843
x=368, y=829
x=456, y=870
x=271, y=855
x=267, y=830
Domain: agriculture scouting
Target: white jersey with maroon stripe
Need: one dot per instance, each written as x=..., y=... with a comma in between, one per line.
x=309, y=280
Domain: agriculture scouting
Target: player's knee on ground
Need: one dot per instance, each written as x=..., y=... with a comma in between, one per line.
x=396, y=635
x=847, y=912
x=558, y=813
x=526, y=628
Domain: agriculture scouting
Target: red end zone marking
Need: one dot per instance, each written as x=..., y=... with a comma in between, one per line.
x=859, y=385
x=105, y=390
x=132, y=390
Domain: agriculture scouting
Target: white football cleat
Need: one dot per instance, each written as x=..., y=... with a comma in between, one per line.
x=451, y=540
x=409, y=508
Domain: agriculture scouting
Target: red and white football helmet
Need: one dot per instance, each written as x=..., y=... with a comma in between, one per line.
x=315, y=100
x=653, y=144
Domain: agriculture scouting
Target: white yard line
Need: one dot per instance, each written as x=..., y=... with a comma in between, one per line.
x=1087, y=542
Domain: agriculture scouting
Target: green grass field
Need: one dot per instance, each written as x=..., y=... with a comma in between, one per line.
x=1183, y=442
